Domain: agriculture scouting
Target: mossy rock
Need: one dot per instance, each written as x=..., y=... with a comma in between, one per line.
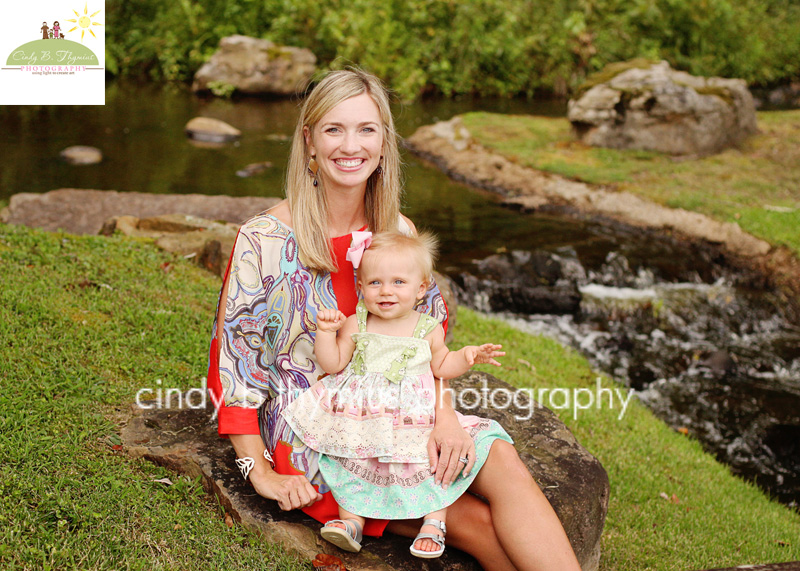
x=611, y=71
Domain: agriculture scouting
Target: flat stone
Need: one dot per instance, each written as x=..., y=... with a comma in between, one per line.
x=253, y=169
x=82, y=155
x=208, y=130
x=185, y=439
x=80, y=211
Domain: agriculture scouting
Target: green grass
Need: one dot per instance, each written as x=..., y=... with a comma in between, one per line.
x=87, y=321
x=718, y=521
x=84, y=323
x=756, y=185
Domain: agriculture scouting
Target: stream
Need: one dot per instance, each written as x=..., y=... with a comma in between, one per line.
x=704, y=345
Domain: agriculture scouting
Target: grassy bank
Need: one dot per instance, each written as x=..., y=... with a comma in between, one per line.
x=85, y=322
x=756, y=185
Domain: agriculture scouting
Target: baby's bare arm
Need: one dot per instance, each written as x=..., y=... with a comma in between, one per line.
x=333, y=346
x=447, y=364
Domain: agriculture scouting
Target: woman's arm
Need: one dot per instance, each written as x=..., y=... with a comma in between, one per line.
x=449, y=441
x=333, y=344
x=291, y=492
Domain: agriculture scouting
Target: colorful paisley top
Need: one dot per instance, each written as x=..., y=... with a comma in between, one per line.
x=265, y=357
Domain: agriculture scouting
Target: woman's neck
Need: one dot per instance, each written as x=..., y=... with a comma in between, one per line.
x=346, y=213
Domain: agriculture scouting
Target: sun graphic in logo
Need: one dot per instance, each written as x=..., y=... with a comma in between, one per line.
x=84, y=21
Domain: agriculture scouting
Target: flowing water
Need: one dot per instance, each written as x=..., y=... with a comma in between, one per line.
x=703, y=346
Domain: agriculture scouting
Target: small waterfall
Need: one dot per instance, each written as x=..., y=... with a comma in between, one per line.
x=716, y=358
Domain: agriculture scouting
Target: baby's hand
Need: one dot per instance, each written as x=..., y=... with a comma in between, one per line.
x=330, y=320
x=484, y=354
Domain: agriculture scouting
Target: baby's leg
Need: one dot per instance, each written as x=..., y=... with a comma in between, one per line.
x=347, y=537
x=428, y=544
x=345, y=515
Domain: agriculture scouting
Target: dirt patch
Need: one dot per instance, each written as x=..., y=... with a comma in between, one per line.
x=450, y=146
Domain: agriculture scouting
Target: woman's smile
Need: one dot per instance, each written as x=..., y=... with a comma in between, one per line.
x=347, y=143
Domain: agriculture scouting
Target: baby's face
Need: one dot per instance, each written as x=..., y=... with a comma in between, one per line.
x=391, y=283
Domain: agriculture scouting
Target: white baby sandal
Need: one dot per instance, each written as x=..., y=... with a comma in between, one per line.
x=437, y=539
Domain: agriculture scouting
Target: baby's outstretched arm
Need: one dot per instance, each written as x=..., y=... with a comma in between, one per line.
x=333, y=345
x=447, y=364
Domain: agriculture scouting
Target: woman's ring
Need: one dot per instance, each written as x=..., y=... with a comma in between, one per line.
x=464, y=459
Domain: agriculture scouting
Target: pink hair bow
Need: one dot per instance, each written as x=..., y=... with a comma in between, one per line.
x=361, y=241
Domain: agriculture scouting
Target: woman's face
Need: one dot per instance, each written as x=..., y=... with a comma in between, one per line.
x=347, y=143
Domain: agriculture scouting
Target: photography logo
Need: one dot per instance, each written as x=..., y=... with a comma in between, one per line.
x=61, y=60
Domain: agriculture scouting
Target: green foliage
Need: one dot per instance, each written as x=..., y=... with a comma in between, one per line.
x=221, y=89
x=486, y=47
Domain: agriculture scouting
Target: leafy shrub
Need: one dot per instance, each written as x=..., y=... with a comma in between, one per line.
x=484, y=47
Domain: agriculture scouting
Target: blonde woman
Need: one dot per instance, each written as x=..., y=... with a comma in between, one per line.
x=290, y=263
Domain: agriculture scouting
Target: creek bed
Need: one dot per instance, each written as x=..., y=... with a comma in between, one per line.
x=701, y=343
x=706, y=346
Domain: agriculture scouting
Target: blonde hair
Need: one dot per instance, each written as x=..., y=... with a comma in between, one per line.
x=307, y=203
x=423, y=247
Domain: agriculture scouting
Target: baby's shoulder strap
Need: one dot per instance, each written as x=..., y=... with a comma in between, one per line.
x=361, y=316
x=425, y=325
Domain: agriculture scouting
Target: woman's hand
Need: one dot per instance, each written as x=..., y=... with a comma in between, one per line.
x=449, y=442
x=291, y=492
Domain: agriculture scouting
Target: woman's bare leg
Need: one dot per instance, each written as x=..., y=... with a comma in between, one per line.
x=524, y=521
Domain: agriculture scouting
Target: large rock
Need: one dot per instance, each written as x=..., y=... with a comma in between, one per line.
x=185, y=439
x=252, y=65
x=524, y=283
x=206, y=242
x=450, y=146
x=650, y=106
x=81, y=211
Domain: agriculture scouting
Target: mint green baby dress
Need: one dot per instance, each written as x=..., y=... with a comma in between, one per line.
x=372, y=422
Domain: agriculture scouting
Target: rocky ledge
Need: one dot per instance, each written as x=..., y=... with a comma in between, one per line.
x=80, y=211
x=450, y=146
x=185, y=440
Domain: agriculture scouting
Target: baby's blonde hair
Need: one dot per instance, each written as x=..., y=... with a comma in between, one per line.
x=423, y=247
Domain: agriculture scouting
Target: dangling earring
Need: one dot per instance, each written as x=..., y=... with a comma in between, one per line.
x=379, y=170
x=313, y=167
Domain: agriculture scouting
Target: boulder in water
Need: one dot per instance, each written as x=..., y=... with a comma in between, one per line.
x=208, y=130
x=82, y=155
x=650, y=106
